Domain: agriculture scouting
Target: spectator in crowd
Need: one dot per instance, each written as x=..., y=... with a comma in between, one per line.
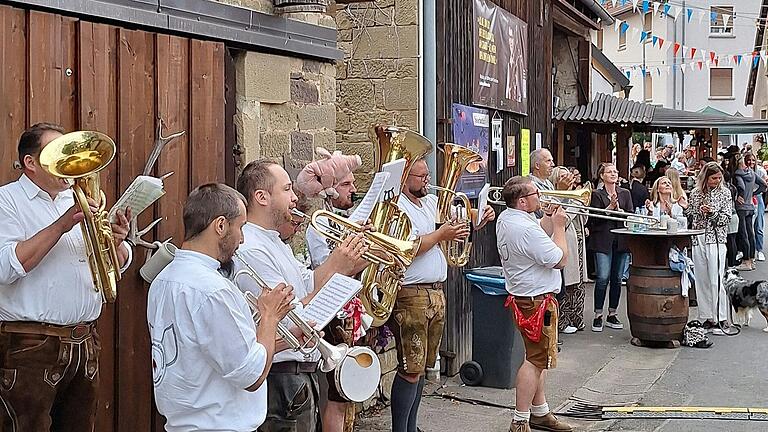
x=636, y=186
x=610, y=249
x=659, y=170
x=760, y=210
x=662, y=200
x=679, y=163
x=571, y=316
x=745, y=181
x=678, y=193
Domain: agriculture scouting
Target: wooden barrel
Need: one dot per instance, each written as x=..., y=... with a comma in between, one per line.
x=656, y=309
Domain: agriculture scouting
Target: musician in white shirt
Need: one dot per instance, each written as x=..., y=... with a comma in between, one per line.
x=293, y=385
x=338, y=330
x=208, y=359
x=419, y=312
x=48, y=304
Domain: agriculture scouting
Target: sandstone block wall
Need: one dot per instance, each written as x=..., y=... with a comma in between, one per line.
x=377, y=82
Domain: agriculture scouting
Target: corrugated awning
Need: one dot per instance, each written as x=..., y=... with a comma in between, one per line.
x=608, y=109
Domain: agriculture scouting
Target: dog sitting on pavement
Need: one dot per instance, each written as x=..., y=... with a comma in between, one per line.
x=745, y=296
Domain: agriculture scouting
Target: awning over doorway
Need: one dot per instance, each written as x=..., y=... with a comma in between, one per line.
x=608, y=109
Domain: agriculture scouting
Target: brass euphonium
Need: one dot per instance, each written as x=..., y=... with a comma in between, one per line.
x=79, y=157
x=381, y=283
x=456, y=160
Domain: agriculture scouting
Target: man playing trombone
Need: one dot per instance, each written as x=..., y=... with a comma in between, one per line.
x=48, y=340
x=208, y=360
x=293, y=382
x=418, y=315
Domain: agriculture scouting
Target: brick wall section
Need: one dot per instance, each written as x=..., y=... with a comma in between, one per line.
x=377, y=81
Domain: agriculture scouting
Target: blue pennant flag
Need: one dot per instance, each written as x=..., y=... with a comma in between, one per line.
x=756, y=61
x=629, y=74
x=667, y=7
x=654, y=40
x=645, y=6
x=713, y=17
x=643, y=36
x=689, y=11
x=624, y=27
x=738, y=59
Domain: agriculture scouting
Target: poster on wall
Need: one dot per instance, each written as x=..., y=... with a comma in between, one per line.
x=500, y=65
x=471, y=128
x=511, y=144
x=525, y=151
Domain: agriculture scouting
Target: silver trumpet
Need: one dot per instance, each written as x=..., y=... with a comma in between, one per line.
x=331, y=355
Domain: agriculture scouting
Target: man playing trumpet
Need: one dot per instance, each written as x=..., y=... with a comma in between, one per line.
x=208, y=360
x=293, y=382
x=48, y=306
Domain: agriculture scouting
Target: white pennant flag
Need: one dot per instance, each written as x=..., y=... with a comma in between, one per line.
x=726, y=18
x=682, y=68
x=703, y=54
x=656, y=8
x=764, y=55
x=685, y=51
x=701, y=17
x=634, y=5
x=617, y=25
x=614, y=2
x=728, y=60
x=676, y=14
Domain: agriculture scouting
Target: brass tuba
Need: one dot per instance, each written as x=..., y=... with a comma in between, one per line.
x=79, y=157
x=456, y=160
x=381, y=283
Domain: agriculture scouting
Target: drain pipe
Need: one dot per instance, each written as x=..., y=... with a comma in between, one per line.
x=428, y=78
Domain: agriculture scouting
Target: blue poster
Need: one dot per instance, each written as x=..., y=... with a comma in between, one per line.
x=471, y=129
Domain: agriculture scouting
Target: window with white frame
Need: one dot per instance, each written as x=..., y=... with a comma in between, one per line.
x=648, y=87
x=720, y=83
x=622, y=39
x=722, y=25
x=648, y=26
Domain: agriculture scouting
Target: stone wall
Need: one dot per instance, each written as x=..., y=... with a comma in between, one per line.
x=378, y=80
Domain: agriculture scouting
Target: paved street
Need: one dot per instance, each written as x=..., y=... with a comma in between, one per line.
x=604, y=369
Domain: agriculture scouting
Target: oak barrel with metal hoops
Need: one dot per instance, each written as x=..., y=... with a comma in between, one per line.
x=656, y=309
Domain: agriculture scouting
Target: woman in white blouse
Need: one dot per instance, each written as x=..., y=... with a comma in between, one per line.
x=663, y=200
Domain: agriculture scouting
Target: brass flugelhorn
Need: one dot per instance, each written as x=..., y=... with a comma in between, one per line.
x=383, y=250
x=330, y=354
x=79, y=157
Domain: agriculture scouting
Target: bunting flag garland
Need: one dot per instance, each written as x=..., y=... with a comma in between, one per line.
x=701, y=64
x=667, y=7
x=712, y=55
x=643, y=36
x=645, y=6
x=713, y=17
x=682, y=68
x=689, y=11
x=693, y=51
x=624, y=27
x=661, y=42
x=654, y=40
x=726, y=18
x=677, y=47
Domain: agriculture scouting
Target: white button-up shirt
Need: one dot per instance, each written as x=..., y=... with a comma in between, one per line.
x=528, y=255
x=431, y=266
x=59, y=290
x=319, y=251
x=275, y=263
x=204, y=349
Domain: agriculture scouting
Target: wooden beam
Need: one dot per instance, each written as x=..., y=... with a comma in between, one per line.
x=622, y=151
x=565, y=12
x=715, y=138
x=560, y=143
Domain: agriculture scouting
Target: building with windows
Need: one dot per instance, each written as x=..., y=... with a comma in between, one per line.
x=691, y=55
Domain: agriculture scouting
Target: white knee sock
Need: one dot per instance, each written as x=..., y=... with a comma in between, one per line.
x=540, y=410
x=521, y=416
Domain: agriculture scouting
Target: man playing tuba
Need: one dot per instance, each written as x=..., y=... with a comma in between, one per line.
x=48, y=305
x=418, y=315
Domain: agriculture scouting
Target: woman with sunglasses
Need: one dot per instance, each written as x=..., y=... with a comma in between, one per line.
x=610, y=249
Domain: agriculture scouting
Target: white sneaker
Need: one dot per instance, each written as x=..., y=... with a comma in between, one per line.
x=760, y=256
x=739, y=256
x=717, y=332
x=569, y=330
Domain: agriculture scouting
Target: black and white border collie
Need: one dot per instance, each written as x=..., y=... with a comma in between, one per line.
x=745, y=296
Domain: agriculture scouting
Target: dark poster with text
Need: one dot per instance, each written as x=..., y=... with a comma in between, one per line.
x=500, y=69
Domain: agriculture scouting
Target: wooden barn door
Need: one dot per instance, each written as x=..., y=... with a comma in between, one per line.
x=90, y=76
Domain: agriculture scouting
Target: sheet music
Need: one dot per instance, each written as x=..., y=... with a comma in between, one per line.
x=143, y=191
x=332, y=297
x=482, y=201
x=392, y=186
x=364, y=209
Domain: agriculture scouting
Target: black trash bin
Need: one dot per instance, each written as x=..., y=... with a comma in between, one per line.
x=497, y=346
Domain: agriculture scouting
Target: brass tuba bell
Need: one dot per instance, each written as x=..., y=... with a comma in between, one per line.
x=79, y=157
x=381, y=283
x=456, y=160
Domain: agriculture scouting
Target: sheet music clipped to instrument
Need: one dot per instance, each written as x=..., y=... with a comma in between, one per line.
x=364, y=209
x=332, y=297
x=143, y=191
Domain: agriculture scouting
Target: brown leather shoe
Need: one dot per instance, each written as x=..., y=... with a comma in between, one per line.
x=549, y=423
x=519, y=426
